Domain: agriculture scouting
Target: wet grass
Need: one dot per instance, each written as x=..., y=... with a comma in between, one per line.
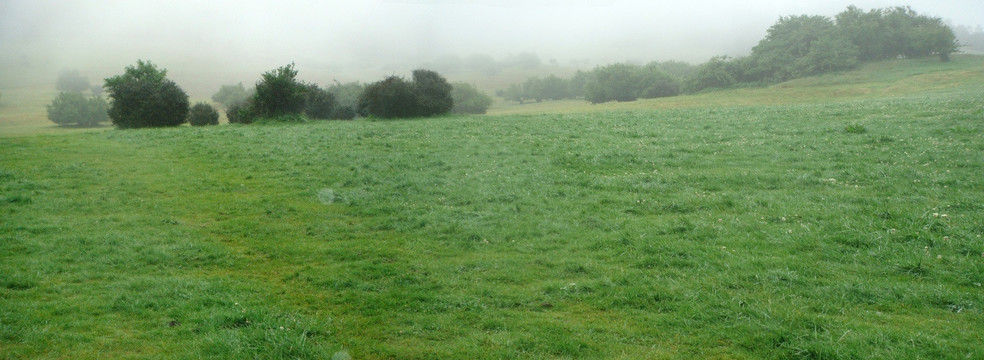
x=768, y=231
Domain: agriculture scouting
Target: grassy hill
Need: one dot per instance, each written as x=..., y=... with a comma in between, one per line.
x=832, y=217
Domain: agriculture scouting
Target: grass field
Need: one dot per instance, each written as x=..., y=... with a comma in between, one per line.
x=834, y=217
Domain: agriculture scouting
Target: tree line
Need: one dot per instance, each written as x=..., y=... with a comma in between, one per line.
x=143, y=96
x=794, y=47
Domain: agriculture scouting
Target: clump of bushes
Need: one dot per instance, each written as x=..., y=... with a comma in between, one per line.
x=319, y=103
x=73, y=108
x=144, y=97
x=428, y=94
x=202, y=114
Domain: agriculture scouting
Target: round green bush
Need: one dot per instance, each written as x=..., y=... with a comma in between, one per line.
x=202, y=114
x=144, y=97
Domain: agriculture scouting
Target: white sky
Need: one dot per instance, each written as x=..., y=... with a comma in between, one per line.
x=340, y=35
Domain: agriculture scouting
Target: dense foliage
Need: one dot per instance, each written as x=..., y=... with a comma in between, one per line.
x=468, y=99
x=144, y=97
x=794, y=47
x=202, y=114
x=278, y=93
x=428, y=94
x=319, y=103
x=241, y=112
x=73, y=108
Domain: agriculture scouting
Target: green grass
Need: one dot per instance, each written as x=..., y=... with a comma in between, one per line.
x=718, y=231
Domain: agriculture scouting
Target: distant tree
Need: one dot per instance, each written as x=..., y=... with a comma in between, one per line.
x=319, y=104
x=468, y=99
x=72, y=81
x=278, y=93
x=969, y=38
x=654, y=83
x=896, y=31
x=392, y=97
x=615, y=82
x=73, y=108
x=778, y=57
x=714, y=74
x=515, y=93
x=867, y=30
x=202, y=114
x=677, y=69
x=428, y=94
x=554, y=88
x=231, y=94
x=576, y=84
x=144, y=97
x=433, y=93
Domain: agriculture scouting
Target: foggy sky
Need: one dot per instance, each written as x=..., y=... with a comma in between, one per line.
x=389, y=36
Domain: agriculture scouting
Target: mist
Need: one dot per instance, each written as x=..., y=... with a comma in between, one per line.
x=207, y=43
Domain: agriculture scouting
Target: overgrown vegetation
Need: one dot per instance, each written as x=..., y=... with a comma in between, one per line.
x=143, y=97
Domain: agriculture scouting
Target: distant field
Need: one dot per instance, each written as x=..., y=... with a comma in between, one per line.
x=833, y=217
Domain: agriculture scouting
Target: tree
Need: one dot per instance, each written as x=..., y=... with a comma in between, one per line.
x=515, y=93
x=278, y=93
x=346, y=95
x=73, y=108
x=616, y=82
x=428, y=94
x=392, y=97
x=319, y=104
x=433, y=93
x=144, y=97
x=231, y=94
x=654, y=83
x=714, y=74
x=71, y=81
x=468, y=99
x=241, y=112
x=202, y=114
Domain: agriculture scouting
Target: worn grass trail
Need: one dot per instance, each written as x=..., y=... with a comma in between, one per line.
x=840, y=230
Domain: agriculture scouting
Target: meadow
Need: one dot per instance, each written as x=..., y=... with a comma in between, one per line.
x=836, y=217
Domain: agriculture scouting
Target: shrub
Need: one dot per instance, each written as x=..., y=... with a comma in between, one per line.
x=468, y=99
x=231, y=94
x=429, y=94
x=392, y=97
x=278, y=93
x=319, y=103
x=202, y=114
x=241, y=113
x=72, y=81
x=73, y=108
x=433, y=93
x=144, y=97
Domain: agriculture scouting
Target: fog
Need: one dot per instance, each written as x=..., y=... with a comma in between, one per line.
x=205, y=43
